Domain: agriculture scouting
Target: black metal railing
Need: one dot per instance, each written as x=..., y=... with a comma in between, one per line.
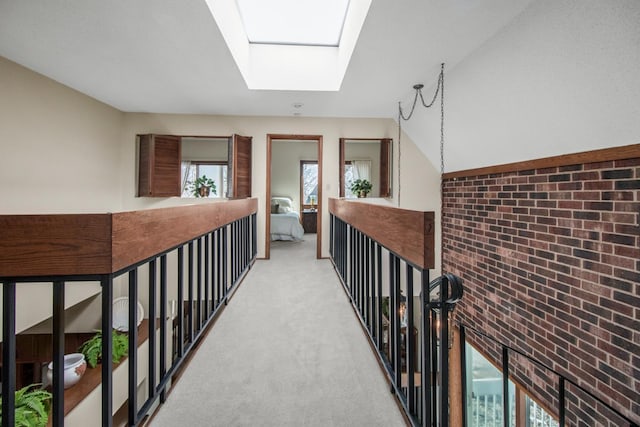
x=405, y=330
x=210, y=270
x=588, y=409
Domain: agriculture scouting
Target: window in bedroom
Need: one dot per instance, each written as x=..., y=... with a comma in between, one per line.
x=308, y=184
x=216, y=171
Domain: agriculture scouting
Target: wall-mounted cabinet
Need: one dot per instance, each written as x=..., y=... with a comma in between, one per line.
x=160, y=165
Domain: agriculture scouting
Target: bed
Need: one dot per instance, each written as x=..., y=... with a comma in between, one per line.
x=285, y=221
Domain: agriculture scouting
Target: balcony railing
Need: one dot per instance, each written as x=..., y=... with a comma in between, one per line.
x=575, y=405
x=379, y=254
x=199, y=254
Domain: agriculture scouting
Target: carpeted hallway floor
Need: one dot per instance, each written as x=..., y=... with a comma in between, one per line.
x=287, y=351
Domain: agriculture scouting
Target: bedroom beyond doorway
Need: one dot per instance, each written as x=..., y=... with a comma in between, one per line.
x=294, y=190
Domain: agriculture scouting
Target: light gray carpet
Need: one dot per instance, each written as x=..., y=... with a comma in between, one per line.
x=287, y=351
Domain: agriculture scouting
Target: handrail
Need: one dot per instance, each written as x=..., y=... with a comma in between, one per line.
x=408, y=233
x=214, y=245
x=367, y=239
x=562, y=378
x=94, y=244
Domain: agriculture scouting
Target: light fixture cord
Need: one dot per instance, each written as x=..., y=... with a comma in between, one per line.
x=401, y=117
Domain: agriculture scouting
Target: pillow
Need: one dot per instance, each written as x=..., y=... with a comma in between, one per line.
x=284, y=209
x=275, y=208
x=284, y=202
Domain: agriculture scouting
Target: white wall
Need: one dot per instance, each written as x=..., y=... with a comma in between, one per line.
x=562, y=77
x=258, y=127
x=59, y=149
x=64, y=152
x=285, y=167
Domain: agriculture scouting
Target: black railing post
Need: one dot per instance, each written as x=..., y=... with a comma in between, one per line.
x=199, y=286
x=57, y=408
x=107, y=350
x=151, y=374
x=180, y=302
x=163, y=322
x=505, y=386
x=409, y=342
x=225, y=274
x=463, y=370
x=190, y=290
x=379, y=292
x=132, y=408
x=8, y=353
x=444, y=352
x=425, y=380
x=206, y=276
x=561, y=402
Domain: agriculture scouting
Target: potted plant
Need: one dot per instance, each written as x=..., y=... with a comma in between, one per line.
x=92, y=348
x=203, y=186
x=361, y=187
x=32, y=406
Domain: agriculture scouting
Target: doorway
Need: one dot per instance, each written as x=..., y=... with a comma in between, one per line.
x=305, y=203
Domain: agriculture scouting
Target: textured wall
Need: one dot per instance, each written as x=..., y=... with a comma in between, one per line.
x=551, y=263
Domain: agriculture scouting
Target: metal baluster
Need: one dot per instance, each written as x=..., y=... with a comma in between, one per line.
x=57, y=417
x=410, y=343
x=107, y=350
x=163, y=322
x=181, y=301
x=151, y=375
x=206, y=276
x=132, y=386
x=8, y=353
x=190, y=292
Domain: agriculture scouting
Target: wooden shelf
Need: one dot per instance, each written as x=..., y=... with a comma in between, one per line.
x=36, y=350
x=92, y=378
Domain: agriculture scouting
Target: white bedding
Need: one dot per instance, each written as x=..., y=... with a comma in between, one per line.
x=286, y=226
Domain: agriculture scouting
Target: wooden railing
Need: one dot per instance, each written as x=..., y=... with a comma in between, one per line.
x=378, y=253
x=212, y=245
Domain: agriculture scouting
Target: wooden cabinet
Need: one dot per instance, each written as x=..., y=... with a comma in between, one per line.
x=310, y=221
x=159, y=166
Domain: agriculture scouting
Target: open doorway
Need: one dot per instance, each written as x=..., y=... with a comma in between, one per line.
x=294, y=178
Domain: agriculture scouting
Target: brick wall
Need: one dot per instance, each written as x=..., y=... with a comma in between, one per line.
x=550, y=260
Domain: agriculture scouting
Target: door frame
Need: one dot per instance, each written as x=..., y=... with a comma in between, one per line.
x=270, y=139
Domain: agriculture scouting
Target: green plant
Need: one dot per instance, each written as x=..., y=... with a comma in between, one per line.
x=32, y=407
x=92, y=348
x=360, y=187
x=203, y=182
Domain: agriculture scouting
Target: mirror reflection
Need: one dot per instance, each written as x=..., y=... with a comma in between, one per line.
x=204, y=166
x=365, y=167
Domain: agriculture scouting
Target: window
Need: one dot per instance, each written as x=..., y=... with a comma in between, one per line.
x=484, y=398
x=349, y=177
x=217, y=171
x=308, y=184
x=311, y=23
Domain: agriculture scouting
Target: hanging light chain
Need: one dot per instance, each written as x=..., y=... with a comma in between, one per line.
x=401, y=117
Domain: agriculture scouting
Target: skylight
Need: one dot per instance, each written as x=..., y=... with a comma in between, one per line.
x=276, y=54
x=294, y=22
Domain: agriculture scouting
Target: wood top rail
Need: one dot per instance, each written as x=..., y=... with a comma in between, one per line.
x=593, y=156
x=95, y=244
x=410, y=234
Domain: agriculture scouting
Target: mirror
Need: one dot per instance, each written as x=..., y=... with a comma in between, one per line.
x=204, y=163
x=369, y=159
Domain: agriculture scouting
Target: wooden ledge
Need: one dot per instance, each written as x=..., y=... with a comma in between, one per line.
x=97, y=244
x=92, y=377
x=409, y=234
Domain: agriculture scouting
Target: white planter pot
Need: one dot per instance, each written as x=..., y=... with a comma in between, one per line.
x=74, y=367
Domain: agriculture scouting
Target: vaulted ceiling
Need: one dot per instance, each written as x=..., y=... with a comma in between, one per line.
x=170, y=57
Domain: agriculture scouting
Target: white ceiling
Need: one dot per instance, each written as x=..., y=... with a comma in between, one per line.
x=168, y=56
